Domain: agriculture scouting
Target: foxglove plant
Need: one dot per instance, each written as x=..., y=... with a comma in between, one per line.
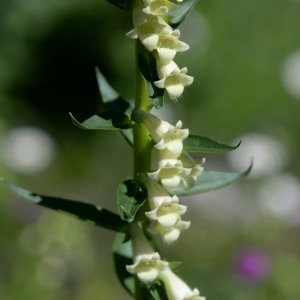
x=149, y=204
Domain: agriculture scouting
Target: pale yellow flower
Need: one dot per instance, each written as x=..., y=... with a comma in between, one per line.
x=176, y=288
x=168, y=138
x=170, y=234
x=147, y=263
x=175, y=81
x=159, y=7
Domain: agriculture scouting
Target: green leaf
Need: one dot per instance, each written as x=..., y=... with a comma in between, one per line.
x=128, y=136
x=147, y=66
x=211, y=180
x=90, y=213
x=130, y=197
x=106, y=91
x=122, y=252
x=195, y=143
x=106, y=120
x=158, y=291
x=176, y=16
x=123, y=4
x=111, y=100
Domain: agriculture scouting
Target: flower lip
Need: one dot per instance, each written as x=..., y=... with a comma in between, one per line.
x=170, y=234
x=147, y=267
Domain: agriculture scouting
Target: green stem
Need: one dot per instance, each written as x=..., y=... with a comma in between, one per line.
x=142, y=147
x=142, y=141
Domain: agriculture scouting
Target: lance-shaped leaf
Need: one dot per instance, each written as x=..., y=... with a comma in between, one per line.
x=122, y=251
x=130, y=197
x=195, y=143
x=106, y=120
x=123, y=4
x=147, y=66
x=111, y=100
x=176, y=16
x=211, y=180
x=90, y=213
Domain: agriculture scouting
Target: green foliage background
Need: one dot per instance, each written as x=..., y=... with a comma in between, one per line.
x=48, y=52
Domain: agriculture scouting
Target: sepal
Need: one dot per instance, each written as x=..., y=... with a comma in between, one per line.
x=130, y=197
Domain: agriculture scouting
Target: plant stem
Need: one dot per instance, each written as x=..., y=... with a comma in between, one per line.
x=142, y=141
x=142, y=146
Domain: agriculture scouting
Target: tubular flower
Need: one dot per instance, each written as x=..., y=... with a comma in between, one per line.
x=147, y=267
x=196, y=171
x=147, y=263
x=172, y=172
x=168, y=138
x=164, y=207
x=170, y=234
x=171, y=144
x=159, y=37
x=168, y=213
x=176, y=288
x=168, y=45
x=175, y=82
x=158, y=7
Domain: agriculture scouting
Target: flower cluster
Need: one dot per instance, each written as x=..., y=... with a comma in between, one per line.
x=174, y=167
x=159, y=38
x=149, y=267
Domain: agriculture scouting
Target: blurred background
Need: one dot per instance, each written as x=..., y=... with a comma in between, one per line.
x=245, y=56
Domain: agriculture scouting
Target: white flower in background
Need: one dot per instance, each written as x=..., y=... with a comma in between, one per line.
x=175, y=82
x=170, y=234
x=147, y=263
x=27, y=149
x=176, y=288
x=159, y=7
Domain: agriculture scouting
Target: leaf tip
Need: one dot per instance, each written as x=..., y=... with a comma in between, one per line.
x=236, y=146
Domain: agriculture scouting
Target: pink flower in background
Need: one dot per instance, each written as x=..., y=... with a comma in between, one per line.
x=252, y=265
